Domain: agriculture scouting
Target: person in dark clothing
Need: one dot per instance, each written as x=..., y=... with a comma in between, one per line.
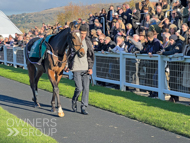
x=110, y=15
x=109, y=44
x=101, y=43
x=128, y=13
x=153, y=45
x=136, y=20
x=91, y=21
x=115, y=30
x=176, y=46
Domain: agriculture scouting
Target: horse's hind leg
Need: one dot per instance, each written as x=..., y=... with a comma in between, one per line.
x=37, y=77
x=32, y=73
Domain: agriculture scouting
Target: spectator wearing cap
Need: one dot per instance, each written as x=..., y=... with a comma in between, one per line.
x=176, y=46
x=166, y=7
x=160, y=13
x=121, y=24
x=128, y=13
x=154, y=27
x=91, y=21
x=144, y=12
x=79, y=20
x=150, y=7
x=87, y=26
x=136, y=16
x=145, y=23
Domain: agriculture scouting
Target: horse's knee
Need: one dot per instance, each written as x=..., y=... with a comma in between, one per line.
x=56, y=90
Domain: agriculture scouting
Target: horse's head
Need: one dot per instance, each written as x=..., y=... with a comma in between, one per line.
x=76, y=40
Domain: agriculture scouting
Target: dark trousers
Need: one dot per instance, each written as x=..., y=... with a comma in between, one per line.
x=81, y=79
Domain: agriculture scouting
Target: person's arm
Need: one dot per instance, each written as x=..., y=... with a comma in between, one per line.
x=175, y=50
x=137, y=44
x=90, y=57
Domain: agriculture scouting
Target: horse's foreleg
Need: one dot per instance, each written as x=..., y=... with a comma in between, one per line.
x=53, y=78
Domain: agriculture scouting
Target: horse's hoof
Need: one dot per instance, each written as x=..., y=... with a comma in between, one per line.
x=53, y=110
x=61, y=114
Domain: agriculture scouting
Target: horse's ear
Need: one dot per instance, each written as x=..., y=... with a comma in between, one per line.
x=72, y=26
x=78, y=26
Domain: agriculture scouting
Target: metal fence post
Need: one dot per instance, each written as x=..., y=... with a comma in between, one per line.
x=25, y=66
x=161, y=77
x=94, y=71
x=5, y=55
x=14, y=57
x=122, y=72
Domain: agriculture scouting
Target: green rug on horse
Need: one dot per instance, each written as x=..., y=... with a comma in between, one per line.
x=35, y=51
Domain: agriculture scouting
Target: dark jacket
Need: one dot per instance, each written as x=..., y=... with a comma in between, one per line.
x=131, y=33
x=100, y=47
x=91, y=22
x=128, y=16
x=111, y=45
x=172, y=49
x=109, y=17
x=136, y=19
x=152, y=47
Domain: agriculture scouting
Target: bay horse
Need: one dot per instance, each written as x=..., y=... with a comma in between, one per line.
x=54, y=62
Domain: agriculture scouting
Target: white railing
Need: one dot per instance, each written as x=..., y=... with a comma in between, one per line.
x=127, y=70
x=154, y=78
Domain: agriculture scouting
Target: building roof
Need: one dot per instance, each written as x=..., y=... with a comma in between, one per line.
x=7, y=27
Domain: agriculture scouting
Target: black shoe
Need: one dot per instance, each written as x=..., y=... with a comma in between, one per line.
x=74, y=105
x=83, y=111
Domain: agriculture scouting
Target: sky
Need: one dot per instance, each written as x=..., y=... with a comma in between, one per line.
x=10, y=7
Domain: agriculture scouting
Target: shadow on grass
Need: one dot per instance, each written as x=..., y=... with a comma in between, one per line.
x=178, y=108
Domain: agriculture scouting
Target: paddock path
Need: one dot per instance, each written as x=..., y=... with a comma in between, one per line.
x=99, y=127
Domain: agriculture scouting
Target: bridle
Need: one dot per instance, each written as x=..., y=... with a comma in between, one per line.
x=71, y=45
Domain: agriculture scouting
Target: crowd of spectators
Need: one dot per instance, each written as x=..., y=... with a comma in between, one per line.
x=20, y=40
x=161, y=29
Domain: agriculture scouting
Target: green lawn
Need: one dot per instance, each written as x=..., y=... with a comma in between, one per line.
x=162, y=114
x=8, y=120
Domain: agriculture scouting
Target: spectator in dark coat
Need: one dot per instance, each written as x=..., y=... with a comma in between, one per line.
x=129, y=31
x=153, y=45
x=115, y=30
x=91, y=21
x=128, y=13
x=110, y=15
x=109, y=44
x=136, y=20
x=101, y=43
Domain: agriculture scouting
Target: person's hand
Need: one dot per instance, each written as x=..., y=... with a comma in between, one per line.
x=159, y=52
x=150, y=54
x=90, y=71
x=177, y=34
x=127, y=38
x=102, y=51
x=66, y=69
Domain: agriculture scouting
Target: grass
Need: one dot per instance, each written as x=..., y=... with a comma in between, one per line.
x=165, y=115
x=8, y=120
